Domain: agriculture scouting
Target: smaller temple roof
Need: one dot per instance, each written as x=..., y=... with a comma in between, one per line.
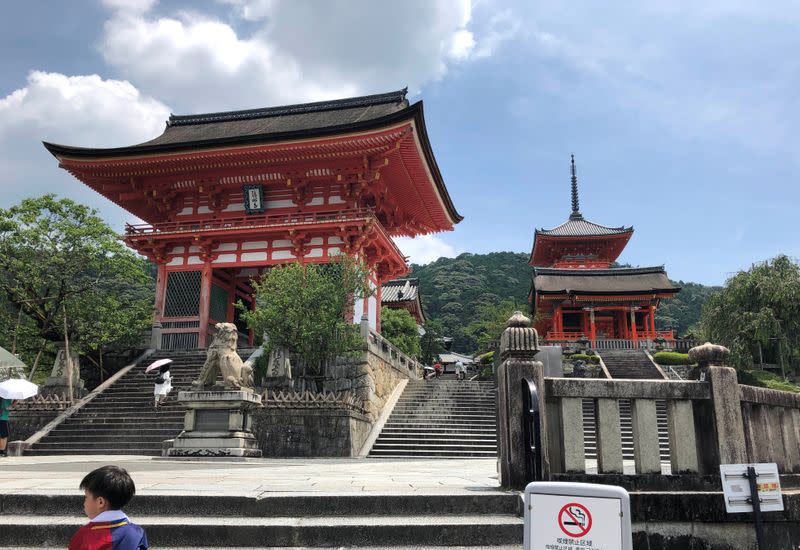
x=400, y=290
x=579, y=227
x=403, y=294
x=602, y=281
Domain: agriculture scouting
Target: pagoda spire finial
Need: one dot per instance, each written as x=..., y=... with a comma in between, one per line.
x=576, y=210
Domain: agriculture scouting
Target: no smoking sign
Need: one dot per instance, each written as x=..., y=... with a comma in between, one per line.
x=575, y=520
x=576, y=515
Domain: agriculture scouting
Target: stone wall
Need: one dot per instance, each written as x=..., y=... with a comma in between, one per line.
x=24, y=423
x=373, y=376
x=306, y=432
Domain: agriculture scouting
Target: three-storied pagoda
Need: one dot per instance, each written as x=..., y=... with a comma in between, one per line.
x=227, y=195
x=575, y=293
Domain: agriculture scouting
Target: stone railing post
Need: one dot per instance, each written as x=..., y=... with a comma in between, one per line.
x=518, y=346
x=721, y=441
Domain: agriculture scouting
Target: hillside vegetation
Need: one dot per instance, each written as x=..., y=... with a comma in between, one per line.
x=457, y=291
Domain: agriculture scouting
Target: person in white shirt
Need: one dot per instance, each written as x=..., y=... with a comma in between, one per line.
x=163, y=385
x=461, y=370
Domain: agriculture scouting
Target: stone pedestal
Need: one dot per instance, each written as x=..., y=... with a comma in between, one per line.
x=58, y=383
x=217, y=424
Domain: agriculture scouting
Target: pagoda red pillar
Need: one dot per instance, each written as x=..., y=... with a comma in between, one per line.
x=205, y=303
x=592, y=334
x=653, y=319
x=161, y=290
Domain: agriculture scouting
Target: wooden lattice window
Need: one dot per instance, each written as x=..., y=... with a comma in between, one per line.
x=218, y=309
x=183, y=294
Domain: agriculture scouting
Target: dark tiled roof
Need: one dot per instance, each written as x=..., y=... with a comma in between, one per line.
x=598, y=281
x=399, y=290
x=576, y=226
x=276, y=120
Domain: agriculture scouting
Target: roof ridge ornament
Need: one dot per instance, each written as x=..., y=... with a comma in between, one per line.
x=576, y=210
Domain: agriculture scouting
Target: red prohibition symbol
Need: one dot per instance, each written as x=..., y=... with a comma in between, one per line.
x=574, y=519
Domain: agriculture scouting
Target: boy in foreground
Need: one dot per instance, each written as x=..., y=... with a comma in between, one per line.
x=106, y=491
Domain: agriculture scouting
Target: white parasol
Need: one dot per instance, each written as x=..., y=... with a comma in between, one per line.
x=18, y=388
x=157, y=364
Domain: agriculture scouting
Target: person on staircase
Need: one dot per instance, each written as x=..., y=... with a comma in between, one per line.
x=461, y=370
x=5, y=405
x=163, y=385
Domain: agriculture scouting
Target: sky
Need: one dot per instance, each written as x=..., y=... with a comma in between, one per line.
x=684, y=117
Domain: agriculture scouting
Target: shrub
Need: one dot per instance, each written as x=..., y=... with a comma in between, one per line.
x=765, y=379
x=672, y=358
x=583, y=357
x=487, y=358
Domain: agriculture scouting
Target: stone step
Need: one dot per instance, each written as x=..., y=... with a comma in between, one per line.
x=172, y=531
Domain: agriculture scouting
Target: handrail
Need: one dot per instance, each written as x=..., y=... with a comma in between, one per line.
x=531, y=432
x=132, y=230
x=626, y=389
x=643, y=335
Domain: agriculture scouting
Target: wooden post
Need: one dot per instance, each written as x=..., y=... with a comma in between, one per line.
x=592, y=333
x=205, y=303
x=161, y=290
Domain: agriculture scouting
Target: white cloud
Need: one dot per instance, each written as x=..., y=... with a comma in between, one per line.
x=73, y=110
x=425, y=248
x=298, y=51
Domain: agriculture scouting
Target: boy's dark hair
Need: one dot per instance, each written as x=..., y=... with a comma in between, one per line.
x=112, y=483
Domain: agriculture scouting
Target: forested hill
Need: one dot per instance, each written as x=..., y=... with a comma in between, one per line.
x=453, y=289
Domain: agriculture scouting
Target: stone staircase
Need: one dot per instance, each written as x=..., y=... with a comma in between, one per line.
x=121, y=420
x=631, y=364
x=441, y=418
x=489, y=519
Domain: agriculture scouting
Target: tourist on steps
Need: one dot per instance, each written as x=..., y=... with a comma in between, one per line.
x=461, y=370
x=5, y=405
x=163, y=385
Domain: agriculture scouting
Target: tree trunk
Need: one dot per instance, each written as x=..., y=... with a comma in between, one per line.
x=36, y=363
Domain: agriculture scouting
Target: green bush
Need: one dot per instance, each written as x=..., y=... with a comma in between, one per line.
x=764, y=379
x=583, y=357
x=487, y=358
x=672, y=358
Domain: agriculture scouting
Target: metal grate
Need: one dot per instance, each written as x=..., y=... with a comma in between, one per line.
x=183, y=294
x=180, y=324
x=179, y=340
x=218, y=309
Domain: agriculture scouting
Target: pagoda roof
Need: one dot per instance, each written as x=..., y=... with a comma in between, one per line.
x=577, y=226
x=619, y=280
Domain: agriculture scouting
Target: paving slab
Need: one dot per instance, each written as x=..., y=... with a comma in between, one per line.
x=254, y=478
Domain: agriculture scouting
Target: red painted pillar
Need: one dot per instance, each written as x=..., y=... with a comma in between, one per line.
x=161, y=290
x=592, y=332
x=634, y=336
x=378, y=309
x=653, y=319
x=205, y=303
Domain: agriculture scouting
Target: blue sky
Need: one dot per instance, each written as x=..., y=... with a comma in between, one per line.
x=684, y=117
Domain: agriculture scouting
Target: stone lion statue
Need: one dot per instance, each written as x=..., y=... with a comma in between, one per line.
x=222, y=358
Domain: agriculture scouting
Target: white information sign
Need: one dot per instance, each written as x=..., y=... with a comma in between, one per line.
x=577, y=516
x=736, y=487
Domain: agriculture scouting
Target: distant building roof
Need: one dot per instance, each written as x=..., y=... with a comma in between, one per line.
x=400, y=290
x=602, y=281
x=452, y=357
x=403, y=294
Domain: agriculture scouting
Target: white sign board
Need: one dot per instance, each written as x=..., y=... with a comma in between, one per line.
x=736, y=487
x=577, y=516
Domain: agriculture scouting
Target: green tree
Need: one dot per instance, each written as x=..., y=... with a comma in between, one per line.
x=303, y=308
x=489, y=324
x=400, y=328
x=759, y=307
x=431, y=344
x=57, y=259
